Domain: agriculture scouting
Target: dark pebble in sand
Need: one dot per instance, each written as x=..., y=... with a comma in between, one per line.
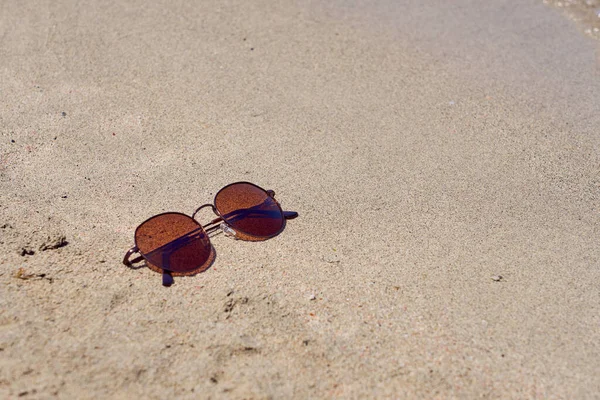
x=27, y=252
x=12, y=140
x=54, y=242
x=64, y=114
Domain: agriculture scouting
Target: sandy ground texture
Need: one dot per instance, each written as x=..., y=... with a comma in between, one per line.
x=444, y=158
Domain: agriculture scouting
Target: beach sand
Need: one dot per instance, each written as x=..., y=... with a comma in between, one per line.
x=444, y=160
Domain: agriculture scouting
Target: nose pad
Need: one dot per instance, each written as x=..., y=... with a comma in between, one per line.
x=227, y=230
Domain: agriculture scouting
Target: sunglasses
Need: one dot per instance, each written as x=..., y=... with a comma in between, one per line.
x=175, y=244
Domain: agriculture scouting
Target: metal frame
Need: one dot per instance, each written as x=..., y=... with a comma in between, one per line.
x=211, y=226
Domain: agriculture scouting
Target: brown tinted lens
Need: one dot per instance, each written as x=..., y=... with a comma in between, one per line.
x=174, y=242
x=249, y=209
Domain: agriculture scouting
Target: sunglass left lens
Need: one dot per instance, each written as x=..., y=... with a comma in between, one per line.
x=173, y=242
x=249, y=209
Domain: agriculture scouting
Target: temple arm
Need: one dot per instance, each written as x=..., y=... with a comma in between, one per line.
x=290, y=214
x=243, y=213
x=132, y=250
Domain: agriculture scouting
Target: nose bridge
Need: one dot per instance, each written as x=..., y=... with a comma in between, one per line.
x=204, y=206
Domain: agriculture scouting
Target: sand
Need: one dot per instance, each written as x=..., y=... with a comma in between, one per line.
x=444, y=160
